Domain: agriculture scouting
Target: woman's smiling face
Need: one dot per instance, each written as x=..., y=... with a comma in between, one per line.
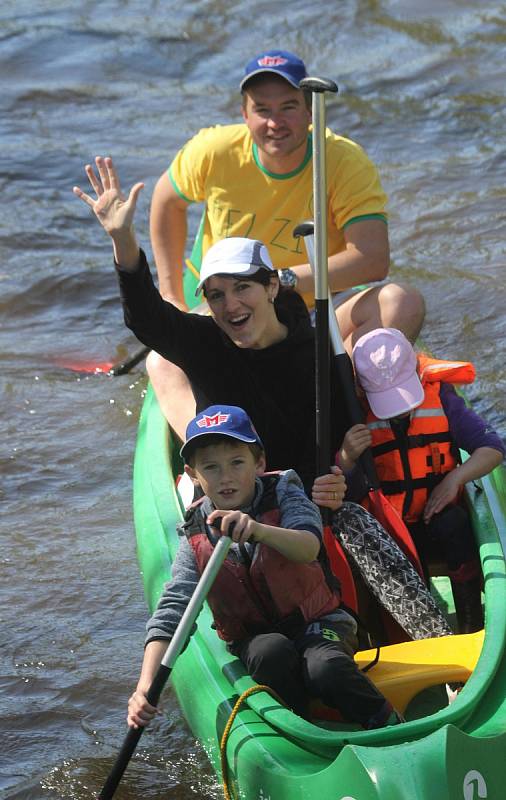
x=244, y=310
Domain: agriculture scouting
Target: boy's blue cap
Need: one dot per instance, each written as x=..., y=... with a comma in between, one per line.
x=281, y=62
x=229, y=421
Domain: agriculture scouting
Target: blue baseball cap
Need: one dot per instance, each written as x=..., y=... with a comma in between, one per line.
x=280, y=62
x=230, y=421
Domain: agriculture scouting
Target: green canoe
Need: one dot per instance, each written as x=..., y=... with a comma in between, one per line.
x=458, y=751
x=443, y=752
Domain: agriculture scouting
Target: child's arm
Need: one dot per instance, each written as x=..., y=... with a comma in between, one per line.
x=357, y=439
x=161, y=628
x=140, y=712
x=297, y=545
x=480, y=463
x=471, y=433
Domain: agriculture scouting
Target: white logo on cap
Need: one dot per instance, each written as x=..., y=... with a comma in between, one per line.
x=272, y=61
x=388, y=370
x=212, y=422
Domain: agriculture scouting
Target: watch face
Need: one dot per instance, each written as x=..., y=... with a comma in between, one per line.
x=287, y=277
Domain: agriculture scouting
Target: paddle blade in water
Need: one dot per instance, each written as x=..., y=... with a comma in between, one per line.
x=87, y=367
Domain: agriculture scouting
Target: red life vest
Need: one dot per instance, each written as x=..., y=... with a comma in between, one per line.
x=271, y=593
x=410, y=463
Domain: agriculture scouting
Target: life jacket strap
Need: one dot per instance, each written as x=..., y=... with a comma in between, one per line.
x=411, y=442
x=429, y=482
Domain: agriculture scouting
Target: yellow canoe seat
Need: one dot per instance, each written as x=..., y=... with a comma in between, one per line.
x=404, y=669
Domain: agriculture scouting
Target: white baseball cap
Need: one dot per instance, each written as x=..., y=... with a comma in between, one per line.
x=234, y=256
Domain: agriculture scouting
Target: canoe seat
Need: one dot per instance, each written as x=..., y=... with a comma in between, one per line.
x=405, y=669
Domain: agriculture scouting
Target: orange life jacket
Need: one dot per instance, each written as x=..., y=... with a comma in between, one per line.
x=410, y=463
x=272, y=592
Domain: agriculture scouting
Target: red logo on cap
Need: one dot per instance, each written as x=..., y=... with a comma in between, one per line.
x=212, y=422
x=272, y=61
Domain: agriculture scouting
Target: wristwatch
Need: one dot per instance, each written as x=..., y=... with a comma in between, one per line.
x=288, y=278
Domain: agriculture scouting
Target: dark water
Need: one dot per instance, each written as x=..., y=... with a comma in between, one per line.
x=421, y=90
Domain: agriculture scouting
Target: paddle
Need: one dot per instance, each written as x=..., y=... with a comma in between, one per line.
x=318, y=86
x=338, y=561
x=317, y=252
x=123, y=367
x=181, y=635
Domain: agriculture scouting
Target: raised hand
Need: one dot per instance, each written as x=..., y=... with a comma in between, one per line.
x=114, y=212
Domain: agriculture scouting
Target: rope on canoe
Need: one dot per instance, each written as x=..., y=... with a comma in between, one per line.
x=224, y=739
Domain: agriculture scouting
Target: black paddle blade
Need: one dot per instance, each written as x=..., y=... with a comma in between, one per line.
x=132, y=738
x=130, y=363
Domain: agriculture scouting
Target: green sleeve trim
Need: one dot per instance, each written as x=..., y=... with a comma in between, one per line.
x=176, y=188
x=287, y=175
x=189, y=279
x=196, y=254
x=382, y=217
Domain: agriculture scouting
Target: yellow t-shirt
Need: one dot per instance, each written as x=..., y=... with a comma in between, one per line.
x=220, y=166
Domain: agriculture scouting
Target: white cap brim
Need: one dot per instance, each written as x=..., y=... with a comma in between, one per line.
x=234, y=256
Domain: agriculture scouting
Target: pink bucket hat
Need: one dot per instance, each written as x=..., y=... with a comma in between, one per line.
x=385, y=363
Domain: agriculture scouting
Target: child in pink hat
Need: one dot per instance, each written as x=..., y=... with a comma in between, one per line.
x=416, y=425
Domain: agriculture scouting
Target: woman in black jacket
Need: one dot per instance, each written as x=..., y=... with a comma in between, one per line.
x=257, y=352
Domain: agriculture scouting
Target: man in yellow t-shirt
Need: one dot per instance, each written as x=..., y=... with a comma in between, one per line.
x=256, y=181
x=222, y=167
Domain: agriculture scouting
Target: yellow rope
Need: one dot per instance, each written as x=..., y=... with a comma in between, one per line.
x=224, y=739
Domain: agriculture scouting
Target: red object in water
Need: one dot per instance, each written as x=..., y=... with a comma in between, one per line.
x=101, y=368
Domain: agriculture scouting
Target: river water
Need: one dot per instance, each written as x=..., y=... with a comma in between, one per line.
x=422, y=88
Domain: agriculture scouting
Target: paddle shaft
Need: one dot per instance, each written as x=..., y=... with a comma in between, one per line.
x=316, y=245
x=126, y=366
x=318, y=87
x=177, y=643
x=343, y=365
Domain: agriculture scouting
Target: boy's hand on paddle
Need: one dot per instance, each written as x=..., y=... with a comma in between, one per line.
x=357, y=439
x=140, y=712
x=445, y=493
x=114, y=211
x=239, y=526
x=328, y=490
